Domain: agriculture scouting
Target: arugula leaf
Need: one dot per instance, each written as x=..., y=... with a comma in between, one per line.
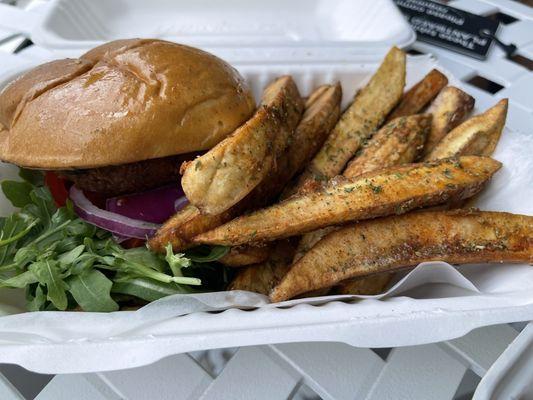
x=148, y=289
x=59, y=259
x=36, y=302
x=92, y=291
x=67, y=259
x=35, y=177
x=48, y=273
x=176, y=261
x=205, y=254
x=15, y=227
x=20, y=281
x=42, y=205
x=18, y=193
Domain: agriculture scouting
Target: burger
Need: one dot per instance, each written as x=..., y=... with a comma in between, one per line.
x=109, y=131
x=123, y=116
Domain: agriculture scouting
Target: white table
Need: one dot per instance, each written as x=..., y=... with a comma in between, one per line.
x=491, y=359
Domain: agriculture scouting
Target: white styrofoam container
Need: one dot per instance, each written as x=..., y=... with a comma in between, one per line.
x=441, y=306
x=317, y=42
x=237, y=30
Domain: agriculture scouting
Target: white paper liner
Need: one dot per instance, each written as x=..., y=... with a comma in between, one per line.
x=460, y=298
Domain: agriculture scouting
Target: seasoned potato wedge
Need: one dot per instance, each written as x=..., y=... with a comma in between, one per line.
x=229, y=171
x=479, y=135
x=367, y=112
x=399, y=142
x=241, y=256
x=261, y=278
x=366, y=286
x=185, y=225
x=380, y=193
x=478, y=146
x=416, y=98
x=449, y=109
x=320, y=116
x=395, y=242
x=321, y=113
x=308, y=240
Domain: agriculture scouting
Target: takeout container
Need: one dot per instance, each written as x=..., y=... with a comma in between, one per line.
x=435, y=302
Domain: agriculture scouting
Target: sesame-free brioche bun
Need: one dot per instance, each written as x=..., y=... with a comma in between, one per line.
x=122, y=102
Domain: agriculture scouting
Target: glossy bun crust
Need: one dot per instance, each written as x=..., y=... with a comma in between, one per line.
x=122, y=102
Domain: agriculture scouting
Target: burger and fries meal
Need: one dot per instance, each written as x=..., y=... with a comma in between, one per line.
x=148, y=170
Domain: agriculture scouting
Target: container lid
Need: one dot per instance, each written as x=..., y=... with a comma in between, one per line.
x=238, y=30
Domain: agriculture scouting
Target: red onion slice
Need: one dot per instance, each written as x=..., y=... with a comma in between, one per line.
x=155, y=205
x=115, y=223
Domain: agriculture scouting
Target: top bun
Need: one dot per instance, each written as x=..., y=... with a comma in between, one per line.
x=122, y=102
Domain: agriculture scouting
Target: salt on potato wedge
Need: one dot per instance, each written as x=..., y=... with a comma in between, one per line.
x=416, y=98
x=468, y=141
x=392, y=243
x=241, y=256
x=321, y=114
x=261, y=278
x=229, y=171
x=399, y=142
x=449, y=109
x=367, y=112
x=380, y=193
x=478, y=135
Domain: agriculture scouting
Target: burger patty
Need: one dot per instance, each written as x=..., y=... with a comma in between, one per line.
x=128, y=178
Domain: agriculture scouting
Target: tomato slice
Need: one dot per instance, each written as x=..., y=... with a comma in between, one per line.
x=58, y=188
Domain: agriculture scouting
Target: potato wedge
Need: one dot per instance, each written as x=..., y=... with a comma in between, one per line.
x=367, y=112
x=371, y=284
x=241, y=256
x=365, y=286
x=229, y=171
x=261, y=278
x=380, y=193
x=399, y=142
x=186, y=224
x=322, y=112
x=416, y=98
x=479, y=135
x=396, y=242
x=449, y=109
x=320, y=116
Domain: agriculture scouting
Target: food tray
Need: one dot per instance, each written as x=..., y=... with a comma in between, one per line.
x=435, y=302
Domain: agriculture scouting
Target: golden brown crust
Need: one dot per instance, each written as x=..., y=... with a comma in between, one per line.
x=180, y=229
x=229, y=171
x=366, y=286
x=449, y=109
x=185, y=225
x=366, y=114
x=399, y=142
x=388, y=244
x=384, y=192
x=122, y=102
x=241, y=256
x=478, y=135
x=416, y=98
x=263, y=277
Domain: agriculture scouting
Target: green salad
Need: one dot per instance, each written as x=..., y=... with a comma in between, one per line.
x=65, y=263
